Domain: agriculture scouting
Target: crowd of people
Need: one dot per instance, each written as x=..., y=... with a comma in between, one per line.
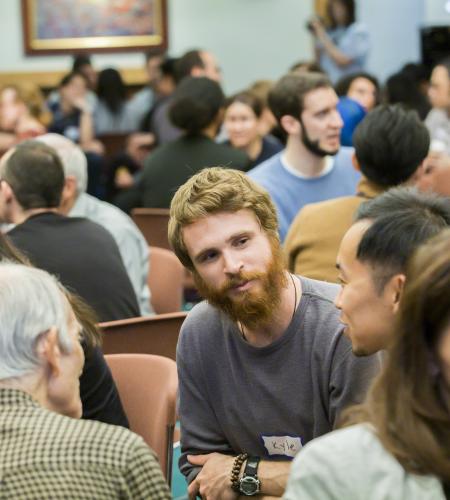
x=313, y=214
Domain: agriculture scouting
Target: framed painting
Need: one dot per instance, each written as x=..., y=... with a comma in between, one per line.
x=62, y=26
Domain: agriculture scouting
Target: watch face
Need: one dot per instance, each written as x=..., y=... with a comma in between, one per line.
x=249, y=485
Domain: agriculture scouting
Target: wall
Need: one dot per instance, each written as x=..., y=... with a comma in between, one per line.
x=437, y=12
x=394, y=27
x=252, y=39
x=249, y=44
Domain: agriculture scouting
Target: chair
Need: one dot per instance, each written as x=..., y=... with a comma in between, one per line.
x=148, y=335
x=148, y=387
x=165, y=280
x=113, y=143
x=153, y=224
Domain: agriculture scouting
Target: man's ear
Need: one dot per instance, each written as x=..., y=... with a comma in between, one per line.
x=48, y=350
x=197, y=71
x=394, y=290
x=416, y=177
x=290, y=124
x=7, y=192
x=69, y=193
x=355, y=163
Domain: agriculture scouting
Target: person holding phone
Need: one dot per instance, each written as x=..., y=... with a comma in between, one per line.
x=342, y=46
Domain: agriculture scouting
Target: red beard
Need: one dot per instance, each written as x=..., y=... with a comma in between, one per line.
x=252, y=308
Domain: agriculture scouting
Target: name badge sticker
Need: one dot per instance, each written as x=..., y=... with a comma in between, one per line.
x=282, y=446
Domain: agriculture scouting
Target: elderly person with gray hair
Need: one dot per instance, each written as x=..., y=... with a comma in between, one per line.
x=75, y=202
x=43, y=449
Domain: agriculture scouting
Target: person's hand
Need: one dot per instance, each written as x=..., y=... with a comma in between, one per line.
x=123, y=179
x=317, y=28
x=81, y=103
x=213, y=481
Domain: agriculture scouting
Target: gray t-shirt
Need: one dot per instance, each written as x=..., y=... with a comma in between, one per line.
x=266, y=401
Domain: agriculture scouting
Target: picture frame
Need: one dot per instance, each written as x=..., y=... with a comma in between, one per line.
x=77, y=26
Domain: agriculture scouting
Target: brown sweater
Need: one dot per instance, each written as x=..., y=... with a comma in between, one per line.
x=312, y=243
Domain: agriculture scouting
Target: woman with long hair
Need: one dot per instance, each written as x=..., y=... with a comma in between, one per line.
x=397, y=443
x=342, y=44
x=112, y=113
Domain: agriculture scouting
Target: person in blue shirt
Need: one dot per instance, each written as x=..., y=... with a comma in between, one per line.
x=343, y=46
x=313, y=167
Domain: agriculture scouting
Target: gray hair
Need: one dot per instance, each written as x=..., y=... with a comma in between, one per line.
x=72, y=157
x=31, y=302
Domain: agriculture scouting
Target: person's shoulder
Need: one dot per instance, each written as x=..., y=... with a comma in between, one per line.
x=321, y=291
x=347, y=447
x=266, y=169
x=344, y=153
x=358, y=28
x=318, y=212
x=343, y=164
x=359, y=435
x=201, y=314
x=110, y=216
x=436, y=116
x=199, y=326
x=90, y=440
x=231, y=156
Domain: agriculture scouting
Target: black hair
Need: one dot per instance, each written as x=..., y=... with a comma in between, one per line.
x=168, y=65
x=196, y=103
x=250, y=99
x=390, y=144
x=343, y=85
x=402, y=88
x=417, y=72
x=35, y=174
x=186, y=63
x=287, y=96
x=80, y=60
x=154, y=52
x=349, y=7
x=111, y=89
x=403, y=219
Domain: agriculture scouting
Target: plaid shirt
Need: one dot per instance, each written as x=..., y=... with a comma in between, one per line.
x=44, y=455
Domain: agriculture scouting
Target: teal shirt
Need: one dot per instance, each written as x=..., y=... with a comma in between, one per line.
x=352, y=464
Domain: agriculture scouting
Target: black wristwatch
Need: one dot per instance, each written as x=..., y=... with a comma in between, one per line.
x=249, y=483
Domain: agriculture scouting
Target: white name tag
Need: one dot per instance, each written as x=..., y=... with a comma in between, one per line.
x=287, y=446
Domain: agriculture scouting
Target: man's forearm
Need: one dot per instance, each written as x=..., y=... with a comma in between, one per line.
x=273, y=477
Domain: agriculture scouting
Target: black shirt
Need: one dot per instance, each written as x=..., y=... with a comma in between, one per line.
x=84, y=257
x=172, y=164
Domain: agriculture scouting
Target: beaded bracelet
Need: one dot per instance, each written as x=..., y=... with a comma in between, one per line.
x=235, y=471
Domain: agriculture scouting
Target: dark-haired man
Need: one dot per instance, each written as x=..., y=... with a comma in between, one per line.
x=263, y=365
x=372, y=262
x=390, y=147
x=313, y=167
x=81, y=253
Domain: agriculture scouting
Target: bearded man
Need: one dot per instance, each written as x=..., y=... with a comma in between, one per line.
x=313, y=167
x=263, y=365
